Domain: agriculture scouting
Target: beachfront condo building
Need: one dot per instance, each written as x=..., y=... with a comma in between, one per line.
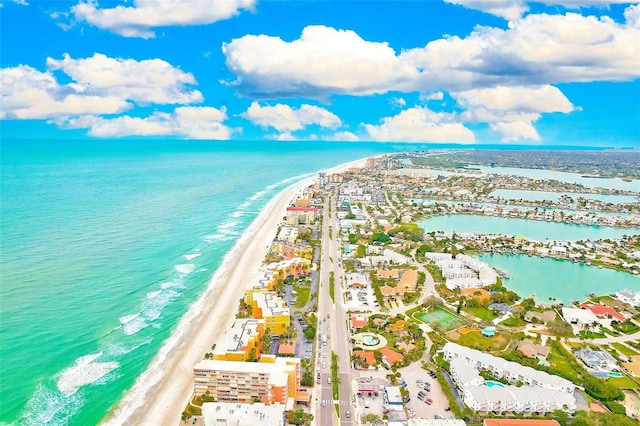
x=288, y=233
x=234, y=414
x=293, y=268
x=290, y=250
x=277, y=380
x=268, y=306
x=241, y=342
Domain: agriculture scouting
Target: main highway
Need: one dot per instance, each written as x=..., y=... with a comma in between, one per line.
x=333, y=322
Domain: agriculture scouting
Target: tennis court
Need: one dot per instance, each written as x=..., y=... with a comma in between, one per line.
x=438, y=315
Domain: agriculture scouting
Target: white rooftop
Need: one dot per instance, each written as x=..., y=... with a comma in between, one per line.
x=236, y=414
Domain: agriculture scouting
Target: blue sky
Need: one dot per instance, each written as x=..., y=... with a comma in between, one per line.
x=548, y=72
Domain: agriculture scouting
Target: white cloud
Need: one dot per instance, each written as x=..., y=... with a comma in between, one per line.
x=99, y=85
x=537, y=50
x=420, y=125
x=632, y=15
x=286, y=119
x=507, y=9
x=342, y=136
x=186, y=122
x=321, y=62
x=398, y=102
x=139, y=19
x=516, y=99
x=513, y=10
x=515, y=130
x=432, y=96
x=146, y=81
x=28, y=94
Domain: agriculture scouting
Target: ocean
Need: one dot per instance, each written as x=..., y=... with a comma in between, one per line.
x=104, y=246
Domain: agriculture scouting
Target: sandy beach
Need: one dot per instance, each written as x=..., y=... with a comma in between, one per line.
x=161, y=393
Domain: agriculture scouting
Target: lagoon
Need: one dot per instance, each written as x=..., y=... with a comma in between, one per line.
x=531, y=229
x=560, y=279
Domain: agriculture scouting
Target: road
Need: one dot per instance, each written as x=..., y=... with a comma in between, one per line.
x=332, y=322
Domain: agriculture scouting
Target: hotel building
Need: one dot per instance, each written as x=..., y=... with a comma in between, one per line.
x=241, y=342
x=273, y=380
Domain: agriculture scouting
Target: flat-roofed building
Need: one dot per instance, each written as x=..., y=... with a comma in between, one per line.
x=270, y=307
x=241, y=342
x=235, y=414
x=288, y=233
x=519, y=422
x=275, y=381
x=393, y=398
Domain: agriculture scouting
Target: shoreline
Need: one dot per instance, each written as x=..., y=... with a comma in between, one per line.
x=164, y=389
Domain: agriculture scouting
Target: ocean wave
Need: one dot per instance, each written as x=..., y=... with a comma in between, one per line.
x=128, y=318
x=192, y=256
x=50, y=407
x=237, y=213
x=227, y=225
x=134, y=326
x=152, y=308
x=153, y=294
x=185, y=268
x=84, y=372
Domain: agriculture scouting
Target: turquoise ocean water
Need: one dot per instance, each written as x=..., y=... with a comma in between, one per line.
x=106, y=244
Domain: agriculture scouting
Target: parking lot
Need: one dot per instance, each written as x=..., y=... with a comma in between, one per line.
x=440, y=403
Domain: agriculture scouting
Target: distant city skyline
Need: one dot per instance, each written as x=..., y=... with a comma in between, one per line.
x=546, y=72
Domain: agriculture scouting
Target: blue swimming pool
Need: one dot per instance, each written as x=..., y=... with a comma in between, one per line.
x=491, y=383
x=614, y=374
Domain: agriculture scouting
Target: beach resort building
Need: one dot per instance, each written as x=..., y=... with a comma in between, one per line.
x=503, y=369
x=288, y=233
x=241, y=342
x=271, y=308
x=235, y=414
x=301, y=215
x=290, y=250
x=275, y=381
x=294, y=268
x=489, y=396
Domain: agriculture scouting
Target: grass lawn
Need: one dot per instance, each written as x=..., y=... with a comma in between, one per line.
x=477, y=341
x=302, y=296
x=609, y=332
x=624, y=382
x=591, y=334
x=627, y=328
x=562, y=364
x=624, y=349
x=480, y=312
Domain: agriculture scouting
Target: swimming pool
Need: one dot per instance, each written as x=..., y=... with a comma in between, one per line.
x=491, y=383
x=614, y=374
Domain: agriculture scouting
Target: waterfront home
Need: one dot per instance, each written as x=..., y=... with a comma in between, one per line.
x=475, y=293
x=241, y=414
x=579, y=317
x=627, y=296
x=598, y=360
x=602, y=311
x=542, y=317
x=501, y=307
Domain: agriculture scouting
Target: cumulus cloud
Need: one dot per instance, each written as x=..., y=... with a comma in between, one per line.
x=99, y=85
x=286, y=119
x=321, y=62
x=507, y=9
x=342, y=136
x=512, y=10
x=432, y=96
x=510, y=111
x=139, y=20
x=30, y=94
x=420, y=125
x=632, y=15
x=515, y=130
x=539, y=49
x=186, y=122
x=146, y=81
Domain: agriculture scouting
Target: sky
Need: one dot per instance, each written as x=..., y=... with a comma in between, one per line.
x=545, y=72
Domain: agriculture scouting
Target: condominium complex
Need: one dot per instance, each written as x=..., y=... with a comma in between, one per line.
x=241, y=342
x=275, y=381
x=537, y=392
x=267, y=305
